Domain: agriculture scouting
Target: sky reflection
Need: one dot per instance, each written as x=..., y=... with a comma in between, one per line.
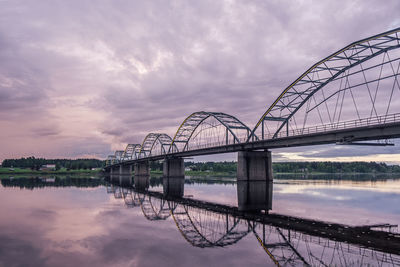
x=88, y=227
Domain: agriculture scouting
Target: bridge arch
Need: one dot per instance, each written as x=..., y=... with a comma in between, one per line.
x=155, y=144
x=117, y=156
x=131, y=152
x=209, y=129
x=356, y=83
x=110, y=160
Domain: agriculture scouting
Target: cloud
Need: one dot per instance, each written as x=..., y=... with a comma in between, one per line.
x=114, y=71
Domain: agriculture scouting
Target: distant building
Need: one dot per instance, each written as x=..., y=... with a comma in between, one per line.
x=48, y=167
x=190, y=168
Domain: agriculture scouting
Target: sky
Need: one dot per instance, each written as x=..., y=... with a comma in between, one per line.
x=84, y=78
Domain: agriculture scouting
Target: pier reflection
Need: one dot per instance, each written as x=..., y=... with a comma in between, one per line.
x=287, y=241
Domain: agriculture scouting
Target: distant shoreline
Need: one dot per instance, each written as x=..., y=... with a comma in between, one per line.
x=18, y=171
x=62, y=171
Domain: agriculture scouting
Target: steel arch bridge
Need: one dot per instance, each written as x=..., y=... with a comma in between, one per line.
x=351, y=95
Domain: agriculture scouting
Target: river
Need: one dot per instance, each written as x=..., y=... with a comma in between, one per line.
x=90, y=222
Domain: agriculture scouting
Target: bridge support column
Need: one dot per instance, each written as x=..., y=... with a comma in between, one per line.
x=125, y=175
x=173, y=177
x=254, y=180
x=141, y=176
x=114, y=174
x=125, y=170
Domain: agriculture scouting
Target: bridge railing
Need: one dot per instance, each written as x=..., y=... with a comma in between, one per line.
x=372, y=121
x=215, y=144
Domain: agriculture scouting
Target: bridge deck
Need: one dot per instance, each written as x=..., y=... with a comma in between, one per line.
x=363, y=133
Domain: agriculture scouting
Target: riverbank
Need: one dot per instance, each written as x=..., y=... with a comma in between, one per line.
x=11, y=171
x=19, y=172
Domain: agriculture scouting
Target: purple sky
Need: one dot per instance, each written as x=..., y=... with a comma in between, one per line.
x=84, y=78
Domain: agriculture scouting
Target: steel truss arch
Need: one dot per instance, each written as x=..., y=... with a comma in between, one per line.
x=117, y=156
x=322, y=73
x=149, y=142
x=110, y=159
x=192, y=122
x=131, y=152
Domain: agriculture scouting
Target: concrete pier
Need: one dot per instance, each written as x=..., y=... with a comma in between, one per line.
x=114, y=178
x=141, y=177
x=125, y=180
x=174, y=167
x=141, y=168
x=141, y=182
x=173, y=186
x=173, y=177
x=125, y=170
x=254, y=180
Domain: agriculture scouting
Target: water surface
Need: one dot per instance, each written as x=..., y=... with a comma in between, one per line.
x=88, y=222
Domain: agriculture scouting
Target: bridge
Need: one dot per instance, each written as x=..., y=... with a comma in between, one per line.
x=350, y=97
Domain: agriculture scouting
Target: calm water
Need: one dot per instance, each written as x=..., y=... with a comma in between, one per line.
x=88, y=222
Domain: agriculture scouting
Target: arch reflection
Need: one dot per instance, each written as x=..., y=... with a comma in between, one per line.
x=287, y=241
x=207, y=228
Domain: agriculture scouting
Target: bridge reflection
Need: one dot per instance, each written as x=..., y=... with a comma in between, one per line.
x=287, y=241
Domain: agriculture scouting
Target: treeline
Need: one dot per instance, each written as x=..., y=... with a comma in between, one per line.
x=335, y=167
x=226, y=166
x=35, y=163
x=302, y=167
